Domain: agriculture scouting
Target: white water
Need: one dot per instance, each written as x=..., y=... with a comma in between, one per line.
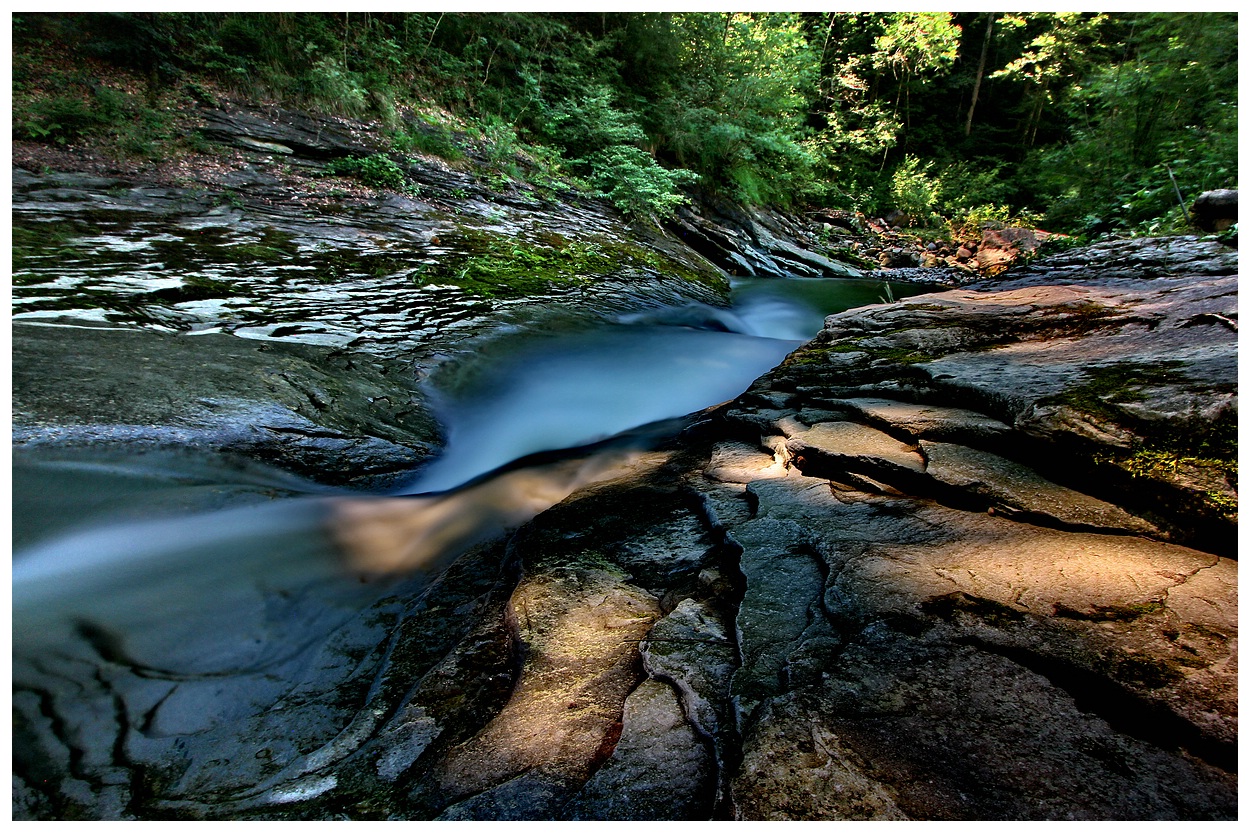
x=573, y=391
x=564, y=391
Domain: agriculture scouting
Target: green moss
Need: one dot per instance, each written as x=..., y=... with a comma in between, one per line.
x=377, y=171
x=1075, y=319
x=39, y=242
x=494, y=265
x=194, y=288
x=42, y=237
x=904, y=355
x=429, y=137
x=332, y=265
x=1106, y=385
x=1135, y=610
x=989, y=611
x=895, y=355
x=1173, y=450
x=1146, y=672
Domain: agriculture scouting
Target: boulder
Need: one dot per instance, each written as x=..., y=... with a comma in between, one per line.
x=1215, y=210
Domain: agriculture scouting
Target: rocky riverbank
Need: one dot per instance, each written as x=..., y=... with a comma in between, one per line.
x=970, y=555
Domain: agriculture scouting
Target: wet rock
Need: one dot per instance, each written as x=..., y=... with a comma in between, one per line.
x=565, y=711
x=850, y=446
x=783, y=578
x=933, y=422
x=284, y=132
x=660, y=769
x=1012, y=488
x=1102, y=369
x=1012, y=745
x=752, y=242
x=694, y=650
x=795, y=769
x=1050, y=611
x=1081, y=659
x=326, y=415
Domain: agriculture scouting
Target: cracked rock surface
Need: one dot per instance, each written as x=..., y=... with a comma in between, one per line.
x=966, y=556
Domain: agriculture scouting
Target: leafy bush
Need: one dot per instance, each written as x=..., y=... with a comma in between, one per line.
x=428, y=137
x=965, y=186
x=336, y=89
x=912, y=190
x=968, y=224
x=60, y=119
x=589, y=123
x=635, y=183
x=133, y=126
x=378, y=170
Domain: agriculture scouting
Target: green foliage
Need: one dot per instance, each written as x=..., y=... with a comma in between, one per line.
x=1170, y=110
x=493, y=265
x=378, y=171
x=635, y=183
x=590, y=123
x=1085, y=116
x=916, y=42
x=60, y=119
x=964, y=186
x=736, y=112
x=969, y=223
x=427, y=136
x=913, y=190
x=132, y=126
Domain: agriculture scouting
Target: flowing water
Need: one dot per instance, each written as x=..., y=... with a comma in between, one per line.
x=103, y=548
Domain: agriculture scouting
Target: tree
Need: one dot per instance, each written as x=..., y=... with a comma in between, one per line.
x=915, y=44
x=976, y=87
x=1057, y=57
x=1166, y=105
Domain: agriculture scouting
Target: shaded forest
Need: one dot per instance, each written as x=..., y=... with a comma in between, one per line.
x=1078, y=122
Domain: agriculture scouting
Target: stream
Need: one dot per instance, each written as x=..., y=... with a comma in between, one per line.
x=108, y=563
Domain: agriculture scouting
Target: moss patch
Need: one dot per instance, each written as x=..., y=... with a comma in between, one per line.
x=1194, y=450
x=494, y=265
x=1109, y=386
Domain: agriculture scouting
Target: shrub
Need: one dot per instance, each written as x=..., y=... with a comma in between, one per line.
x=635, y=183
x=60, y=119
x=912, y=190
x=966, y=186
x=428, y=137
x=968, y=224
x=134, y=127
x=378, y=170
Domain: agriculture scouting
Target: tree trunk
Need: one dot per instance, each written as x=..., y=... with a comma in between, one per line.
x=1035, y=119
x=976, y=87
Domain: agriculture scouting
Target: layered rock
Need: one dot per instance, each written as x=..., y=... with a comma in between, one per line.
x=967, y=556
x=337, y=418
